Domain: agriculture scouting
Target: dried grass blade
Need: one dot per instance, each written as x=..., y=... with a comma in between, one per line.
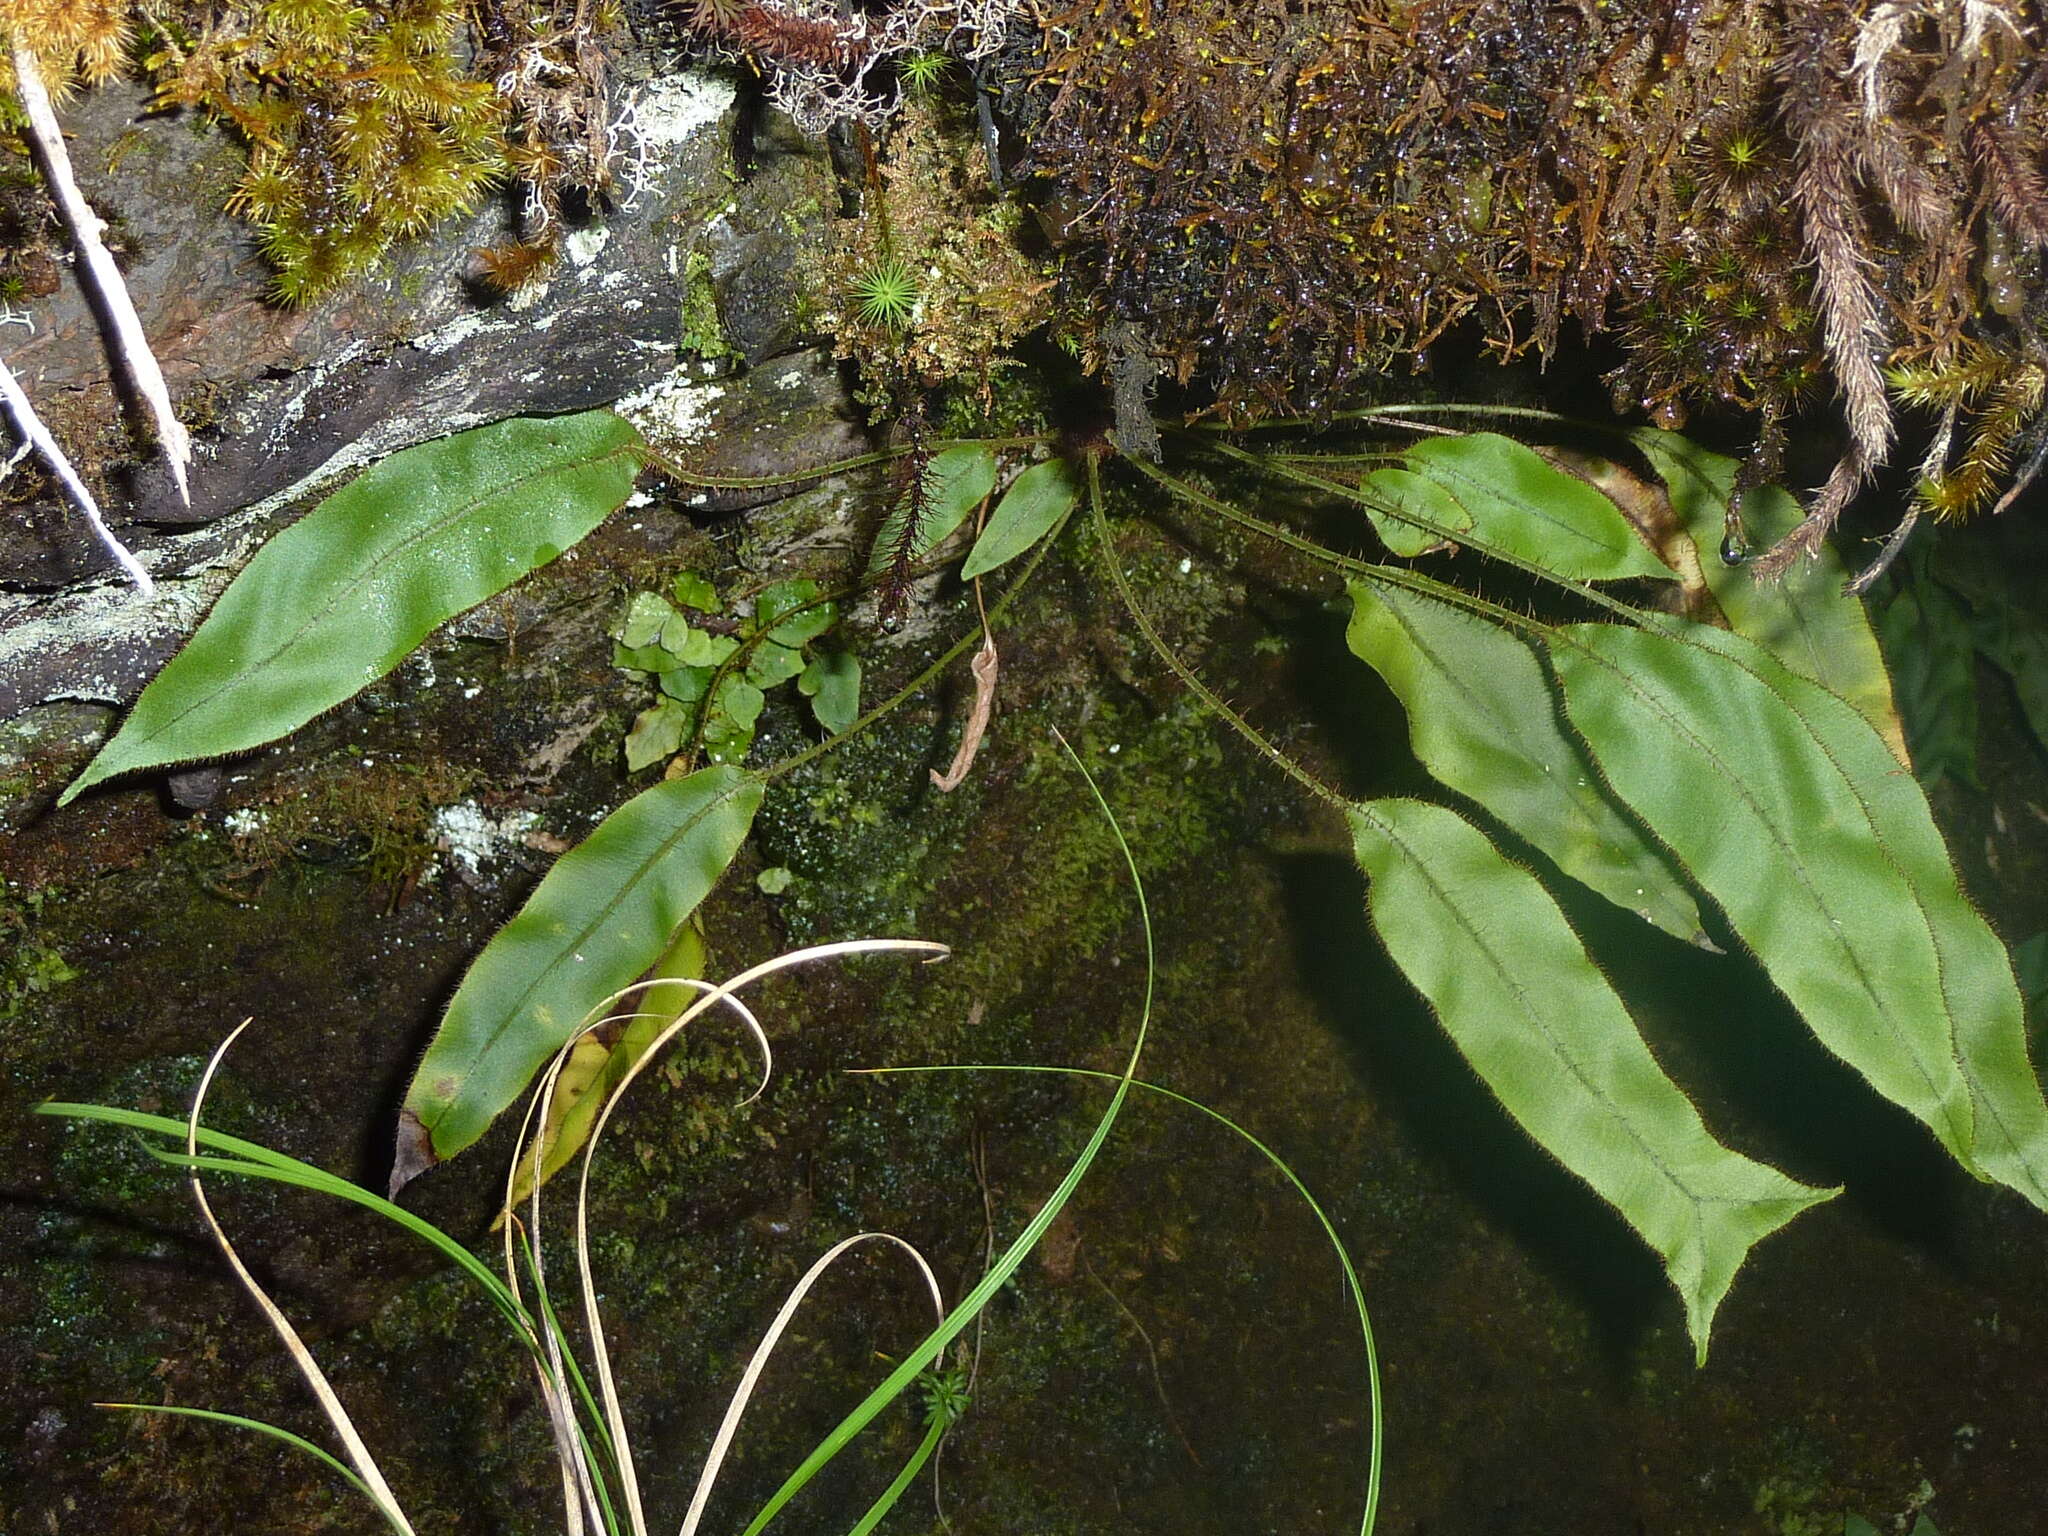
x=615, y=1422
x=323, y=1391
x=743, y=1394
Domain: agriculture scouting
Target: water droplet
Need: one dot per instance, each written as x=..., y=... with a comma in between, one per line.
x=1734, y=550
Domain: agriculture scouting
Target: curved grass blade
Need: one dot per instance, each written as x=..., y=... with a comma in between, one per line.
x=1511, y=984
x=900, y=1485
x=596, y=1066
x=1483, y=719
x=1804, y=618
x=1352, y=1283
x=601, y=917
x=1787, y=807
x=1036, y=501
x=346, y=593
x=310, y=1372
x=297, y=1442
x=252, y=1160
x=750, y=1381
x=971, y=1305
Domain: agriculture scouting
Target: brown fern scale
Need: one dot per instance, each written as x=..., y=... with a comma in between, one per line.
x=776, y=36
x=892, y=605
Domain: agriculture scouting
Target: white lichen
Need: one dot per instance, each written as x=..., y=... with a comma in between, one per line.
x=582, y=246
x=246, y=822
x=676, y=108
x=446, y=338
x=674, y=410
x=472, y=838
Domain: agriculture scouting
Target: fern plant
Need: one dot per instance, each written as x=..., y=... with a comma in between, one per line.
x=1705, y=743
x=592, y=1439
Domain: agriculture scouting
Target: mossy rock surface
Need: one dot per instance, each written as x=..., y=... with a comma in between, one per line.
x=1177, y=1356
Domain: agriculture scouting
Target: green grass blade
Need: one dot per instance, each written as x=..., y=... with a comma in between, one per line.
x=1352, y=1283
x=971, y=1305
x=298, y=1442
x=258, y=1162
x=578, y=1383
x=879, y=1510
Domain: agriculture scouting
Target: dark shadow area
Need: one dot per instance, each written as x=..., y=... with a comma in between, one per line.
x=1448, y=1114
x=1763, y=1082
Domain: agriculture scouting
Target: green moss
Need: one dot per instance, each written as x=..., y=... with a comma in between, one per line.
x=31, y=966
x=703, y=333
x=352, y=812
x=361, y=124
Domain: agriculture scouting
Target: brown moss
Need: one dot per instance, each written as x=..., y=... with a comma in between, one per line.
x=1757, y=198
x=934, y=213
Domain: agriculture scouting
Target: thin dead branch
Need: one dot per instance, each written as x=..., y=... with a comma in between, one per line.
x=34, y=435
x=96, y=267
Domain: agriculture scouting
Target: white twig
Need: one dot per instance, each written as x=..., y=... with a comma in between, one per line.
x=607, y=1386
x=37, y=436
x=96, y=266
x=344, y=1427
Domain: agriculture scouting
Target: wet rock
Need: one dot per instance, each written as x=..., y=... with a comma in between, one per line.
x=298, y=400
x=282, y=397
x=759, y=250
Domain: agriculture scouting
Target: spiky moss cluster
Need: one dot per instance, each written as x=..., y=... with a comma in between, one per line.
x=931, y=282
x=1287, y=197
x=2003, y=397
x=72, y=40
x=1731, y=324
x=362, y=123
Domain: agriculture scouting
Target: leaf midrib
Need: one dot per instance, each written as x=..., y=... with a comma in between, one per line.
x=1980, y=1102
x=1787, y=848
x=368, y=573
x=602, y=912
x=1521, y=995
